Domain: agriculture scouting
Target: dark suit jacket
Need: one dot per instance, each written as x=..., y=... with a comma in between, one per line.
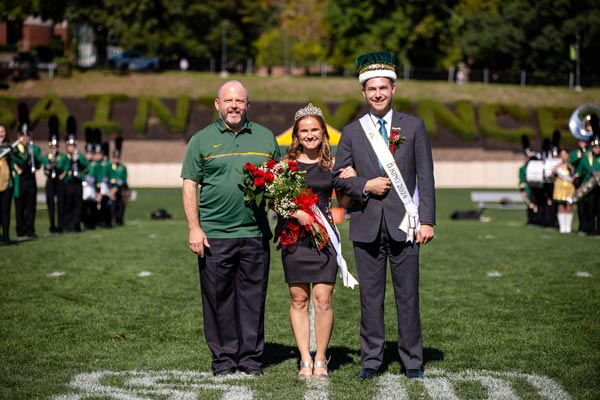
x=414, y=159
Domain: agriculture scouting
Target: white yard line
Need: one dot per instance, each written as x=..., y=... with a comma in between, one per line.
x=191, y=385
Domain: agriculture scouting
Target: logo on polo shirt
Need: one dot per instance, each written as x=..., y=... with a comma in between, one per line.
x=216, y=146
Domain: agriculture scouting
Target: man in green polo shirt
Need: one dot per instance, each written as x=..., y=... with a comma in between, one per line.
x=230, y=239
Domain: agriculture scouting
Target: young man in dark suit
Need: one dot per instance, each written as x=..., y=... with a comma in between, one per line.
x=392, y=215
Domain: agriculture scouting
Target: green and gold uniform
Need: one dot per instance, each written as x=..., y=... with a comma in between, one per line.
x=589, y=169
x=118, y=181
x=74, y=191
x=25, y=188
x=6, y=190
x=55, y=166
x=103, y=173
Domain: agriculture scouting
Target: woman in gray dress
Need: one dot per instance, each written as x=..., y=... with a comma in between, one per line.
x=304, y=265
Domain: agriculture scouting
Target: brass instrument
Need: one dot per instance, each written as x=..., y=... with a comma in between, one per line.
x=581, y=127
x=52, y=164
x=5, y=167
x=580, y=121
x=585, y=188
x=8, y=149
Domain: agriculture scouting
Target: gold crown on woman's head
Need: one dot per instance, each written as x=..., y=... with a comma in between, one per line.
x=308, y=110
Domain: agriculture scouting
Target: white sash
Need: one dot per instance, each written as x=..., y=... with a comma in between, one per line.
x=410, y=223
x=334, y=236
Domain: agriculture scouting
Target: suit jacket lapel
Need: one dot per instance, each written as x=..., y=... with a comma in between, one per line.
x=370, y=151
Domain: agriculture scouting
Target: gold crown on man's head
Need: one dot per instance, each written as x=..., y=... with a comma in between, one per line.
x=308, y=110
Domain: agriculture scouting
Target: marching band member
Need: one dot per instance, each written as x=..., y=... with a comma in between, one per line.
x=546, y=205
x=589, y=170
x=118, y=181
x=27, y=159
x=575, y=158
x=55, y=166
x=6, y=185
x=563, y=175
x=90, y=201
x=74, y=190
x=103, y=181
x=527, y=192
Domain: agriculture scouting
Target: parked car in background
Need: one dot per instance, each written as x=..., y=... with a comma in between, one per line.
x=144, y=64
x=133, y=60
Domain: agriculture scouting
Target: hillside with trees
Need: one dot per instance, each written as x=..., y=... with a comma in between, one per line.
x=543, y=37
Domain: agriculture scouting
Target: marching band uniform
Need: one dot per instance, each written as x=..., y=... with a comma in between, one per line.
x=588, y=169
x=74, y=190
x=6, y=190
x=526, y=194
x=546, y=206
x=529, y=194
x=103, y=183
x=90, y=201
x=27, y=158
x=575, y=157
x=55, y=168
x=118, y=181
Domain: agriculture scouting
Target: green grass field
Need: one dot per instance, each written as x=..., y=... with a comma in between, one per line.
x=508, y=312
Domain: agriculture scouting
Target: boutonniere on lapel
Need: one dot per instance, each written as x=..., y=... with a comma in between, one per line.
x=395, y=139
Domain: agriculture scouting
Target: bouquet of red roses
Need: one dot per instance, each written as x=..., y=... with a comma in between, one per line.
x=284, y=190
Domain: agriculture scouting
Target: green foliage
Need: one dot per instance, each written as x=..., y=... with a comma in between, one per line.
x=511, y=35
x=462, y=123
x=174, y=123
x=532, y=36
x=270, y=49
x=402, y=104
x=8, y=106
x=551, y=118
x=488, y=114
x=63, y=67
x=210, y=103
x=103, y=111
x=419, y=34
x=140, y=122
x=343, y=115
x=50, y=104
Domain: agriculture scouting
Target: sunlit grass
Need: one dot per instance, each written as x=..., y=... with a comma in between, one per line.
x=496, y=296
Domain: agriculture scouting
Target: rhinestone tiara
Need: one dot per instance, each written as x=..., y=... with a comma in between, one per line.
x=308, y=110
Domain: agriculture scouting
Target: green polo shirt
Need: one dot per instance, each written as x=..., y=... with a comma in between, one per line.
x=215, y=158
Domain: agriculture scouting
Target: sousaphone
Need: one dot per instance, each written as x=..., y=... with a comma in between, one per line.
x=582, y=119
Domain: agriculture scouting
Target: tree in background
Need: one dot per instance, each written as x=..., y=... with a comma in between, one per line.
x=297, y=37
x=534, y=36
x=510, y=35
x=419, y=32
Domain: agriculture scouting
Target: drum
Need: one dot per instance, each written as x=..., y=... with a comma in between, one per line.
x=539, y=172
x=549, y=165
x=534, y=174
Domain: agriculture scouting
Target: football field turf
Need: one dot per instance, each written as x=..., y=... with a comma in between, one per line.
x=508, y=312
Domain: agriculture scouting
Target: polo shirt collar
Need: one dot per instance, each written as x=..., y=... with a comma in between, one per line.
x=223, y=128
